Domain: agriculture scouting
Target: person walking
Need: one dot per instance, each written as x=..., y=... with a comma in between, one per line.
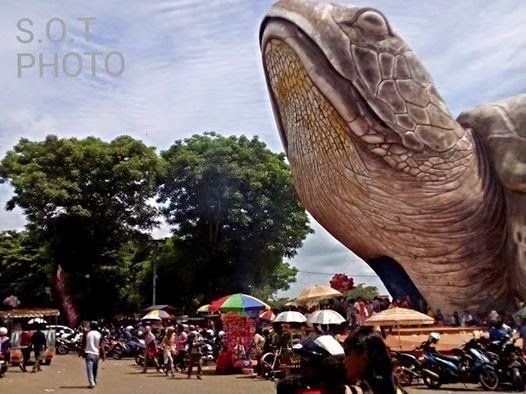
x=5, y=344
x=93, y=350
x=25, y=347
x=150, y=350
x=168, y=344
x=181, y=347
x=39, y=345
x=195, y=340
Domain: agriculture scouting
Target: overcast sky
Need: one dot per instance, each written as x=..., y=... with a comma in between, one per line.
x=194, y=65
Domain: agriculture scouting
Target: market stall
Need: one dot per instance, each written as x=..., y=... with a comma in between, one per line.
x=18, y=321
x=238, y=316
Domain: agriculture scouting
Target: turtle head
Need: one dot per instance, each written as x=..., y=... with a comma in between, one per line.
x=361, y=69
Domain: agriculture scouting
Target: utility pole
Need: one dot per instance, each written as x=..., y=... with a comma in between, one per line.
x=154, y=291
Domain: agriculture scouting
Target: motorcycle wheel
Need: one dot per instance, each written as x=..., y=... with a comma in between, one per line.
x=139, y=361
x=489, y=379
x=62, y=350
x=404, y=379
x=516, y=379
x=431, y=382
x=117, y=353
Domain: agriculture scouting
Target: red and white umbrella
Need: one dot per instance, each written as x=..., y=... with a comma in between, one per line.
x=267, y=315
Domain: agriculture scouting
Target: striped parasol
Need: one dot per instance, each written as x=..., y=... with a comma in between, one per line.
x=204, y=309
x=314, y=294
x=240, y=303
x=267, y=315
x=156, y=315
x=399, y=317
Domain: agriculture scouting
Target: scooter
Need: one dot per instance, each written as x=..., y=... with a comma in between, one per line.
x=468, y=365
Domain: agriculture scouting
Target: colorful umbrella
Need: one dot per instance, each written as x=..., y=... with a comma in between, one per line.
x=241, y=303
x=156, y=315
x=204, y=309
x=267, y=315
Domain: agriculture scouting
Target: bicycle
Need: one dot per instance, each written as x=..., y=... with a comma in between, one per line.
x=270, y=363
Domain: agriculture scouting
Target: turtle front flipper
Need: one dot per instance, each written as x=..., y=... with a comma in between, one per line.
x=501, y=130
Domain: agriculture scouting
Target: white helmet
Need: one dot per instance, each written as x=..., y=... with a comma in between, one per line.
x=434, y=337
x=3, y=331
x=129, y=328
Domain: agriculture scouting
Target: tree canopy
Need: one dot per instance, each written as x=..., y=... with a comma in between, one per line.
x=90, y=205
x=234, y=213
x=85, y=199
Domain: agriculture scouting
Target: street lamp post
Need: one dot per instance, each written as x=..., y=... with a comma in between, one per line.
x=154, y=286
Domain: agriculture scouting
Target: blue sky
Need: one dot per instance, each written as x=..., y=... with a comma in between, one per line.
x=194, y=66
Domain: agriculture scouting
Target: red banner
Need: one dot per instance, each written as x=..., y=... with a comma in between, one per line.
x=67, y=303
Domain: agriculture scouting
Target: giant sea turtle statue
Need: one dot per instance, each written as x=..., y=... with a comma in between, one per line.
x=436, y=206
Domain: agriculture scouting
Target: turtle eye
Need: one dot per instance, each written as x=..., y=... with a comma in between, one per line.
x=372, y=21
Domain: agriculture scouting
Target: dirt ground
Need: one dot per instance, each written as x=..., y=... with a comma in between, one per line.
x=67, y=374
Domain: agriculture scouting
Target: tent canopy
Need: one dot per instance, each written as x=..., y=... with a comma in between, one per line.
x=28, y=313
x=399, y=317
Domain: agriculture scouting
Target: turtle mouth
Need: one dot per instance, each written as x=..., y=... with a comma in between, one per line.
x=286, y=49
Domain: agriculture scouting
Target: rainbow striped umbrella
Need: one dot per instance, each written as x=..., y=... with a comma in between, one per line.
x=156, y=315
x=240, y=303
x=204, y=309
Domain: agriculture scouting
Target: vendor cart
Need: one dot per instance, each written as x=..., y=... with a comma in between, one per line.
x=18, y=321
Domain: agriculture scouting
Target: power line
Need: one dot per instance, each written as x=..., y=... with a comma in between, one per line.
x=332, y=273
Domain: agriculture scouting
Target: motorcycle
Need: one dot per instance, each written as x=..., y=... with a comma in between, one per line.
x=69, y=343
x=468, y=365
x=124, y=348
x=407, y=368
x=208, y=352
x=508, y=360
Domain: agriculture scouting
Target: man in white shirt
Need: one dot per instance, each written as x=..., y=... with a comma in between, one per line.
x=93, y=349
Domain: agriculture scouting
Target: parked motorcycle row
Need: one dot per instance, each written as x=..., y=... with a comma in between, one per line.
x=491, y=364
x=118, y=345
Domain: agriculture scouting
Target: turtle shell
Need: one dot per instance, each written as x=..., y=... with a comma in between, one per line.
x=502, y=126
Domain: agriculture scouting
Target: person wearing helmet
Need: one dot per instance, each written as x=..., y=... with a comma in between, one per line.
x=316, y=370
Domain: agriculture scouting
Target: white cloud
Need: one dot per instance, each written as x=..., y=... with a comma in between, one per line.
x=194, y=65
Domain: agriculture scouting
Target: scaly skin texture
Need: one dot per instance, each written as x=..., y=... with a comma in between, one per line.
x=378, y=160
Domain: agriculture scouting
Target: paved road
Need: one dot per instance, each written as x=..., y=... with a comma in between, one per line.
x=67, y=375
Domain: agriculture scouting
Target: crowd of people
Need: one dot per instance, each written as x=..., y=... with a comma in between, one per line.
x=357, y=361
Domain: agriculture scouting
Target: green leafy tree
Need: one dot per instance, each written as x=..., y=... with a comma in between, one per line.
x=23, y=269
x=234, y=215
x=366, y=292
x=85, y=198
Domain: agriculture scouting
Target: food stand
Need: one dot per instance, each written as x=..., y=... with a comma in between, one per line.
x=17, y=321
